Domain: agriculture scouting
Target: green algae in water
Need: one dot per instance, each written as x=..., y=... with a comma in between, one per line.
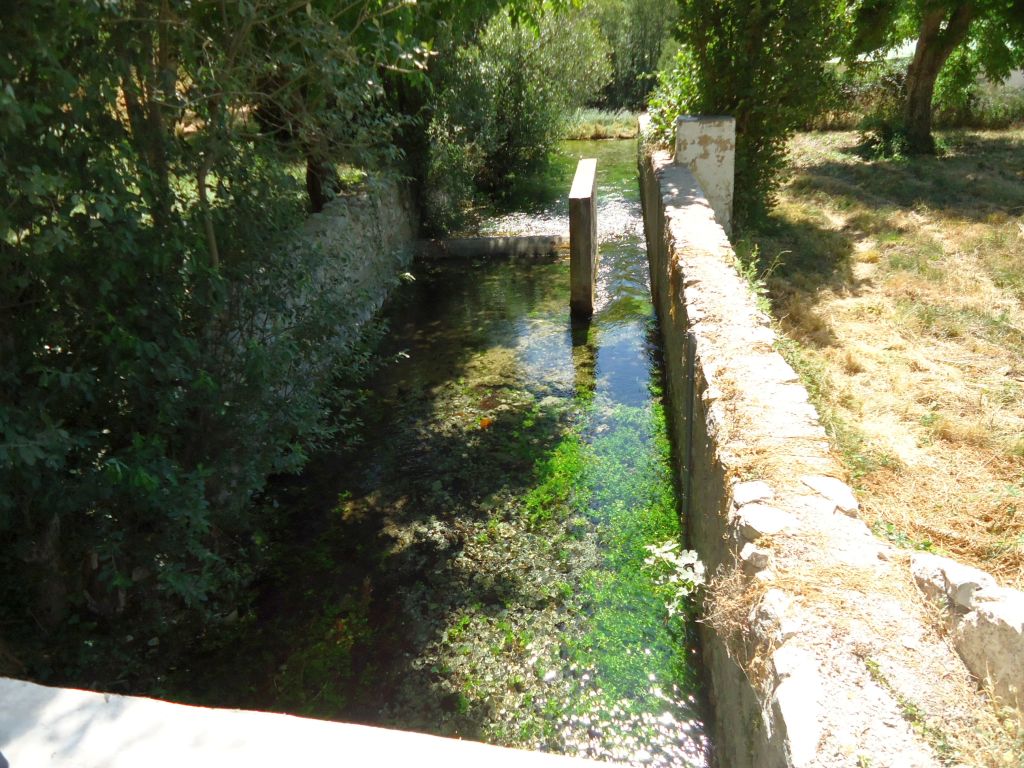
x=477, y=567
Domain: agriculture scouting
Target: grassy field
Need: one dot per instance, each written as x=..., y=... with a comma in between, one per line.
x=899, y=285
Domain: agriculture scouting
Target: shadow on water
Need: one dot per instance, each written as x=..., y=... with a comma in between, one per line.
x=475, y=567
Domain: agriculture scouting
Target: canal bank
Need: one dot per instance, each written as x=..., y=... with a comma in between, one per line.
x=819, y=648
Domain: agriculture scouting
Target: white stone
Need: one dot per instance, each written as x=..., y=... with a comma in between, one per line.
x=757, y=520
x=769, y=367
x=65, y=728
x=796, y=703
x=940, y=576
x=989, y=620
x=775, y=610
x=991, y=641
x=751, y=491
x=754, y=559
x=834, y=490
x=927, y=572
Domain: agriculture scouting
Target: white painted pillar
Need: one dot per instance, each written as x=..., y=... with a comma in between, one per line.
x=707, y=145
x=583, y=238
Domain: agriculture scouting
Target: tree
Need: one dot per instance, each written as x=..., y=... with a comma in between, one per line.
x=992, y=31
x=166, y=344
x=761, y=62
x=502, y=102
x=165, y=348
x=637, y=31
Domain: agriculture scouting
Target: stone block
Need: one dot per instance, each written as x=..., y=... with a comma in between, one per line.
x=751, y=491
x=754, y=559
x=991, y=641
x=796, y=703
x=757, y=520
x=940, y=577
x=583, y=238
x=988, y=620
x=834, y=490
x=707, y=146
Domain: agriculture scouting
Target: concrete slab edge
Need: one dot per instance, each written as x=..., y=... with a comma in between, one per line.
x=66, y=728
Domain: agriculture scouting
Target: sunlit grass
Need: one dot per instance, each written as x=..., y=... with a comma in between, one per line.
x=900, y=288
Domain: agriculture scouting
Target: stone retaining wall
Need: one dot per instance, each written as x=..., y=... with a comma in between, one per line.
x=368, y=239
x=819, y=649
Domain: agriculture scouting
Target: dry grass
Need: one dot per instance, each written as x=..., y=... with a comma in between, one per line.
x=587, y=124
x=901, y=288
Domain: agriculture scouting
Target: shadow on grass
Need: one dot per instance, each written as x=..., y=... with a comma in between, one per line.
x=800, y=250
x=976, y=176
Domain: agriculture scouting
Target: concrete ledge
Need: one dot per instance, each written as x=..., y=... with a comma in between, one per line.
x=819, y=648
x=491, y=247
x=63, y=728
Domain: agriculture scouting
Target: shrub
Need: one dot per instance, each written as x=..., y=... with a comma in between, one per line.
x=675, y=94
x=763, y=64
x=164, y=347
x=501, y=106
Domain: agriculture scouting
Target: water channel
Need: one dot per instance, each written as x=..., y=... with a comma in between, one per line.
x=480, y=566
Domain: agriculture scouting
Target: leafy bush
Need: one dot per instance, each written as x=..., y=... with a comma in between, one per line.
x=502, y=103
x=761, y=63
x=858, y=89
x=165, y=348
x=675, y=94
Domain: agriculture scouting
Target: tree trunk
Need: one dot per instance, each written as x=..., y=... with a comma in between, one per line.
x=321, y=183
x=935, y=43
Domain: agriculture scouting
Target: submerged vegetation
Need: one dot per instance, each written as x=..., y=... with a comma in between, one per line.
x=500, y=567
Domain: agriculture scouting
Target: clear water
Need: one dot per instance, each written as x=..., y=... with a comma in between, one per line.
x=476, y=568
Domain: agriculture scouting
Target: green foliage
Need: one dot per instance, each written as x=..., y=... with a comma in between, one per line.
x=858, y=90
x=502, y=102
x=882, y=129
x=561, y=487
x=636, y=31
x=588, y=124
x=675, y=94
x=763, y=64
x=164, y=347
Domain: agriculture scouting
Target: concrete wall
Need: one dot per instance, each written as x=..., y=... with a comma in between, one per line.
x=815, y=640
x=65, y=728
x=707, y=146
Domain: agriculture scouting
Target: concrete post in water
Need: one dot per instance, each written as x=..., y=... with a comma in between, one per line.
x=707, y=145
x=583, y=238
